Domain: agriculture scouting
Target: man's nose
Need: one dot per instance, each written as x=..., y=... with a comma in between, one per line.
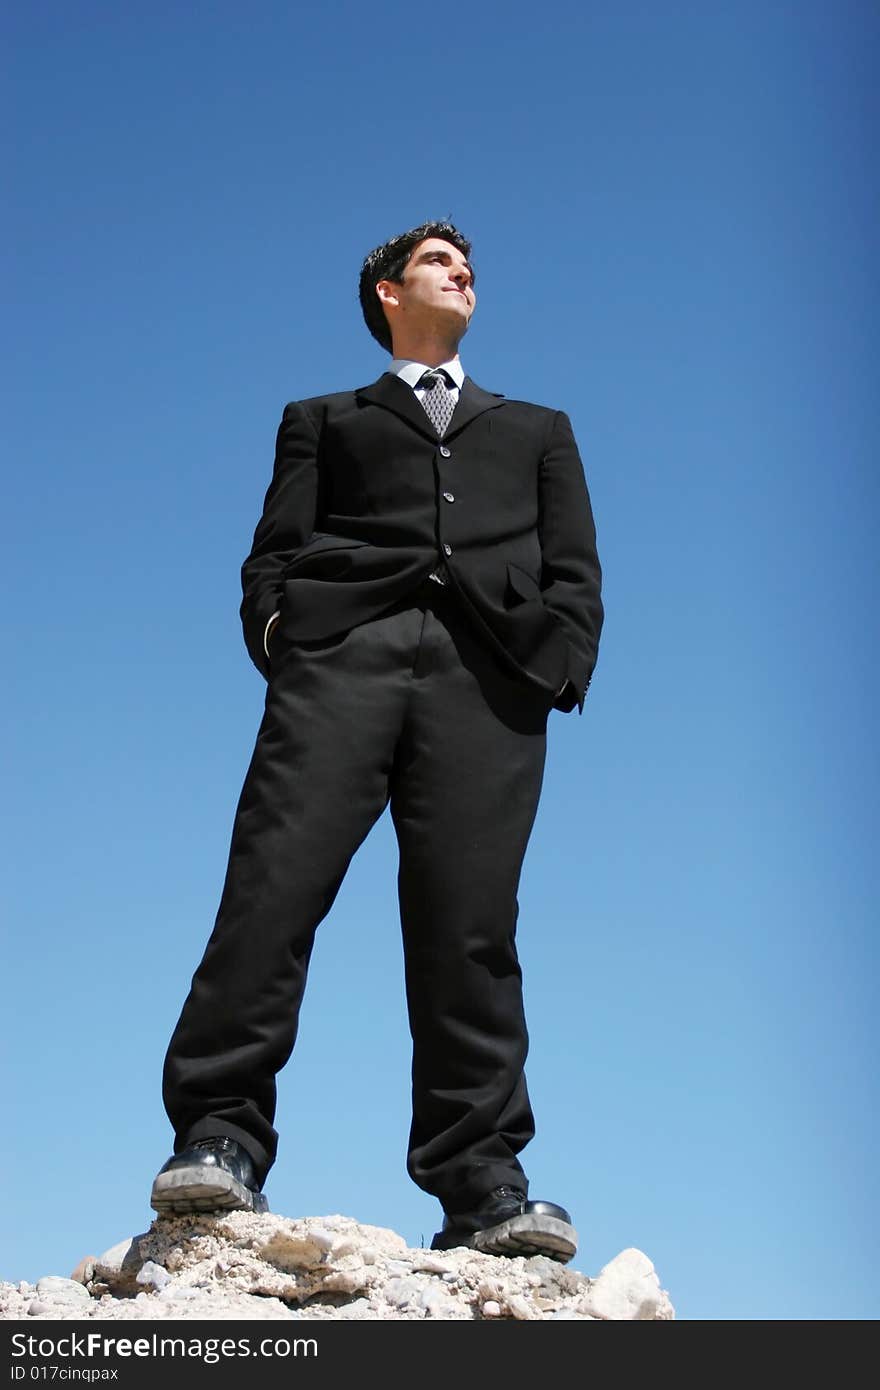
x=461, y=277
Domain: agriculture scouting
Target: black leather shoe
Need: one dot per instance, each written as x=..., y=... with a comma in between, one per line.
x=215, y=1174
x=507, y=1223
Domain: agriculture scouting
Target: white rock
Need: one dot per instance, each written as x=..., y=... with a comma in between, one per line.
x=118, y=1266
x=116, y=1256
x=325, y=1240
x=522, y=1308
x=153, y=1275
x=436, y=1302
x=430, y=1264
x=400, y=1292
x=347, y=1280
x=627, y=1289
x=63, y=1290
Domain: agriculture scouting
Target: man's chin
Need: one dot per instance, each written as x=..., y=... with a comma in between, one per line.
x=461, y=314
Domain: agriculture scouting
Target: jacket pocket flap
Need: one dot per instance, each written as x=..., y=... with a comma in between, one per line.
x=318, y=544
x=523, y=583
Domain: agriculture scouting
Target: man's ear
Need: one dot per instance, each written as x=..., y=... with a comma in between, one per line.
x=388, y=292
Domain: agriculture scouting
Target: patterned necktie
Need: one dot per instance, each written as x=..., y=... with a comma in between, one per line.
x=439, y=405
x=438, y=400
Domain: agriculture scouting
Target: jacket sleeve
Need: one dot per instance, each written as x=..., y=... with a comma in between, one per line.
x=287, y=522
x=571, y=578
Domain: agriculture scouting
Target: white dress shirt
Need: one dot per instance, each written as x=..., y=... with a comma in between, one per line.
x=410, y=372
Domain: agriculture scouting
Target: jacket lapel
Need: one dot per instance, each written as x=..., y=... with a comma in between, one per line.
x=472, y=401
x=392, y=393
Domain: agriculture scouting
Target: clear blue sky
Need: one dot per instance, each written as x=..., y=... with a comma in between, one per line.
x=672, y=208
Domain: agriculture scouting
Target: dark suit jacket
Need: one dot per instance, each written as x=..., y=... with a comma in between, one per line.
x=365, y=500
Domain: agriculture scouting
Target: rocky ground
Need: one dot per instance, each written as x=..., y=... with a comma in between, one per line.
x=242, y=1266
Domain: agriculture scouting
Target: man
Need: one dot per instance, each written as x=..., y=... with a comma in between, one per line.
x=422, y=589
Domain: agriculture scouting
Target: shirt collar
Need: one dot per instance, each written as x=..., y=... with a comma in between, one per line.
x=410, y=371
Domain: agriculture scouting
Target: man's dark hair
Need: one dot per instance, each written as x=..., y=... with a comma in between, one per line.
x=388, y=262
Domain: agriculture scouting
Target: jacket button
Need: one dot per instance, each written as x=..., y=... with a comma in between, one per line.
x=447, y=548
x=450, y=496
x=444, y=452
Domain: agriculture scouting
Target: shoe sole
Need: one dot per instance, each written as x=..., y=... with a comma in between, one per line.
x=191, y=1189
x=525, y=1235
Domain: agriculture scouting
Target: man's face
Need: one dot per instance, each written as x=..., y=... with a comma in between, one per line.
x=437, y=281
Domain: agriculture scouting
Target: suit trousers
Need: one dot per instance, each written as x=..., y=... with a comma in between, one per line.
x=408, y=709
